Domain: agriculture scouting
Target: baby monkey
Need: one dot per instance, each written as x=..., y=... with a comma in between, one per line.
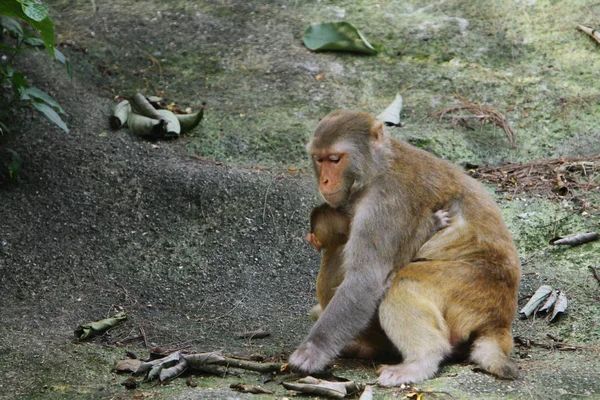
x=329, y=231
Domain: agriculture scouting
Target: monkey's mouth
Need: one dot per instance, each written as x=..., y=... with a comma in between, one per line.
x=331, y=194
x=334, y=199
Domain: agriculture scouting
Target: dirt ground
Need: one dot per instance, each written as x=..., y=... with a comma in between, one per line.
x=202, y=237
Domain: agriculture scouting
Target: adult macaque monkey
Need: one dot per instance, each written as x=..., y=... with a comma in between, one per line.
x=462, y=289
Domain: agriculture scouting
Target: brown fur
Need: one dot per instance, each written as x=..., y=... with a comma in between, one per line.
x=329, y=231
x=463, y=288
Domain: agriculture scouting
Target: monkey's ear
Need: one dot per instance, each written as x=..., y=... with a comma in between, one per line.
x=377, y=130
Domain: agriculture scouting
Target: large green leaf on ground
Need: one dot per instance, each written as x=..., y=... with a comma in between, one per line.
x=336, y=36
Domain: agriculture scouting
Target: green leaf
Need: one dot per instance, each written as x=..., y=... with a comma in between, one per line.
x=33, y=41
x=45, y=27
x=19, y=84
x=51, y=115
x=38, y=94
x=3, y=129
x=9, y=48
x=13, y=164
x=35, y=11
x=61, y=57
x=336, y=36
x=12, y=26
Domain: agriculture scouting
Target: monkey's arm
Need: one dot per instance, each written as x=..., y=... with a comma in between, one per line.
x=369, y=258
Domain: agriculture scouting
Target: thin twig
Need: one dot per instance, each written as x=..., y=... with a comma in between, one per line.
x=143, y=333
x=265, y=202
x=483, y=113
x=525, y=342
x=595, y=273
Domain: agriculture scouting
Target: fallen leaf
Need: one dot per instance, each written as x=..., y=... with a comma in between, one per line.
x=391, y=115
x=336, y=36
x=127, y=365
x=560, y=306
x=91, y=329
x=538, y=297
x=550, y=301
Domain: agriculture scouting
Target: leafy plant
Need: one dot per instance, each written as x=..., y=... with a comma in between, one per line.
x=35, y=14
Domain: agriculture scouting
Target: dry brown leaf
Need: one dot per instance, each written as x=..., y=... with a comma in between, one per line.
x=560, y=306
x=127, y=365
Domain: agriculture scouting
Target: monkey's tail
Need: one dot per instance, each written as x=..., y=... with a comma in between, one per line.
x=491, y=351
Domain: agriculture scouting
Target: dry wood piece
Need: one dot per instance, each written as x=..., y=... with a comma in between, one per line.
x=482, y=113
x=594, y=34
x=171, y=366
x=322, y=387
x=575, y=239
x=257, y=334
x=250, y=365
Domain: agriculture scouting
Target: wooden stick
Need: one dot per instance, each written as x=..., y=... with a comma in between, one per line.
x=594, y=34
x=250, y=365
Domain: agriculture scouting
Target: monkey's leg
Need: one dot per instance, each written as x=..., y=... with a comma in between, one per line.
x=491, y=350
x=371, y=344
x=411, y=318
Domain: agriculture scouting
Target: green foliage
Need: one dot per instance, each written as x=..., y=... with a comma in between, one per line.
x=35, y=15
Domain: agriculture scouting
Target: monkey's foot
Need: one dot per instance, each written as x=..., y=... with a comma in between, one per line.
x=309, y=359
x=395, y=375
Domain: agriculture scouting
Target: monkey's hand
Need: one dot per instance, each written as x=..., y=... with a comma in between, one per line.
x=312, y=239
x=309, y=358
x=442, y=219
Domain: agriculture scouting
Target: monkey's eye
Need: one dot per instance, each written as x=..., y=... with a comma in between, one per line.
x=335, y=158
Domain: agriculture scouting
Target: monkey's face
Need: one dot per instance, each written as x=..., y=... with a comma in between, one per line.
x=334, y=184
x=341, y=150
